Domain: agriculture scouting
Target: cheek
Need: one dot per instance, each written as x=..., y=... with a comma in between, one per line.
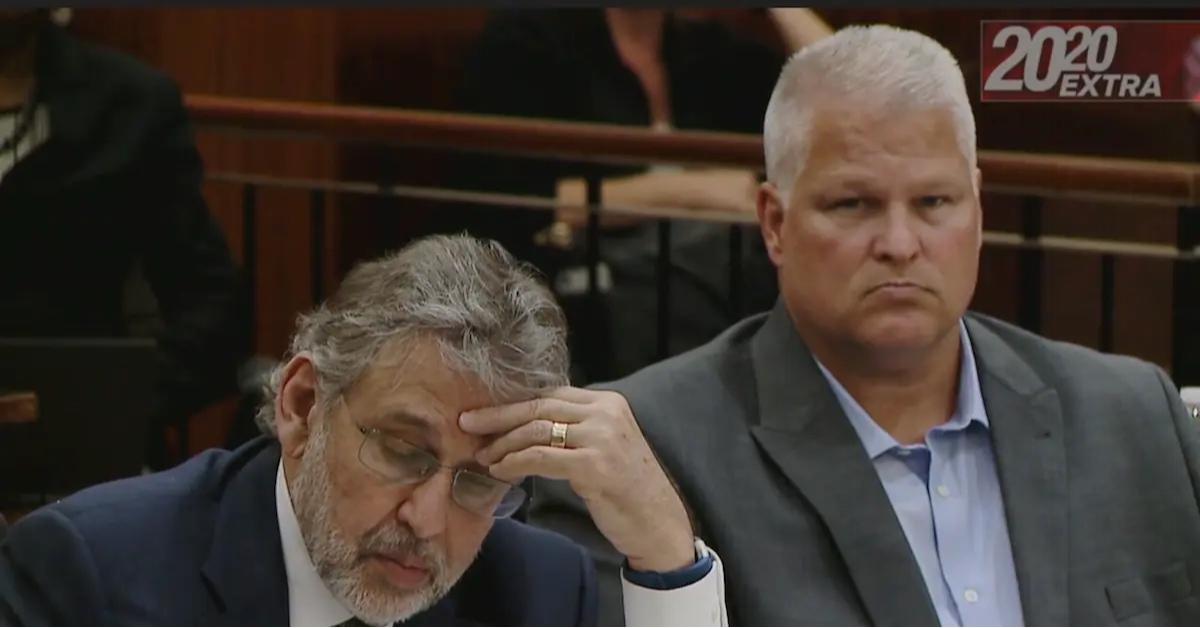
x=822, y=256
x=956, y=241
x=956, y=253
x=360, y=501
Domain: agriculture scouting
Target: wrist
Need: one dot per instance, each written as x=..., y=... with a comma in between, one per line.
x=672, y=556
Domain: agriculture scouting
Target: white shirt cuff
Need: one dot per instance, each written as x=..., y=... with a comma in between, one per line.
x=701, y=603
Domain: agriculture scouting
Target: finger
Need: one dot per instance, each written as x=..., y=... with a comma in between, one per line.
x=536, y=433
x=574, y=395
x=531, y=434
x=498, y=419
x=548, y=462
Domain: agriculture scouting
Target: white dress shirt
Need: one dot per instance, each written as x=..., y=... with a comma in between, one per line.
x=35, y=136
x=311, y=603
x=701, y=603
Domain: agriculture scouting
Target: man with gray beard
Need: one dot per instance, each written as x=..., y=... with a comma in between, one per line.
x=367, y=504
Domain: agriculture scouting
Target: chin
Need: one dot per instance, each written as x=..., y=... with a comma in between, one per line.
x=900, y=331
x=380, y=602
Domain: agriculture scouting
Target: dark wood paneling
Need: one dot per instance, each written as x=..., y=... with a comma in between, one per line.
x=410, y=58
x=1143, y=310
x=1071, y=298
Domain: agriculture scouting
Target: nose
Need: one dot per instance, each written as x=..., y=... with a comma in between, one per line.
x=898, y=242
x=428, y=505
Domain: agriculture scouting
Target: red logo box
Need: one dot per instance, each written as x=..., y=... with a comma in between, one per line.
x=1089, y=60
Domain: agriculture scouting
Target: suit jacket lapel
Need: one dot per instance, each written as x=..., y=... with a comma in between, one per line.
x=245, y=564
x=1027, y=433
x=803, y=430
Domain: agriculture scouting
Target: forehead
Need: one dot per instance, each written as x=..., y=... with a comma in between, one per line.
x=410, y=382
x=867, y=141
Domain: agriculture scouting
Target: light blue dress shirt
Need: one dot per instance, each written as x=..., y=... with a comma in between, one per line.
x=947, y=496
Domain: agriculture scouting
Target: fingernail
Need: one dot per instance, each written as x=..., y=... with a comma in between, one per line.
x=465, y=419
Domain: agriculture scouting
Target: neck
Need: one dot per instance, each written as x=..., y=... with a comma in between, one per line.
x=907, y=395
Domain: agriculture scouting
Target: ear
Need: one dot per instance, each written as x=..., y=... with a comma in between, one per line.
x=294, y=405
x=979, y=205
x=770, y=220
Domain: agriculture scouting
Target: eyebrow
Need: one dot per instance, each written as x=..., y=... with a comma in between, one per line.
x=843, y=178
x=402, y=418
x=388, y=421
x=843, y=183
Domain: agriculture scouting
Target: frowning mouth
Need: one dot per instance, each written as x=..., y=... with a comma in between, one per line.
x=403, y=571
x=403, y=559
x=897, y=286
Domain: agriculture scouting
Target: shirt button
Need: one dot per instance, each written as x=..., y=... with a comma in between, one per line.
x=971, y=595
x=943, y=490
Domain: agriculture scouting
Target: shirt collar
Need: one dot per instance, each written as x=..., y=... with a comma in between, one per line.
x=968, y=409
x=310, y=602
x=970, y=406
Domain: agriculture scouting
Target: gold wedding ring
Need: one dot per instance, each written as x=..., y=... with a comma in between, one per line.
x=558, y=435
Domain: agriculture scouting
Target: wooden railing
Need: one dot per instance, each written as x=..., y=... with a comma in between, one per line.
x=1033, y=177
x=1050, y=176
x=18, y=406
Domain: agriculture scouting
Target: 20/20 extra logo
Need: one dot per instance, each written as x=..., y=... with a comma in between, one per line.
x=1056, y=62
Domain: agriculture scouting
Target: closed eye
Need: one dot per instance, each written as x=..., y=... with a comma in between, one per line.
x=846, y=203
x=401, y=453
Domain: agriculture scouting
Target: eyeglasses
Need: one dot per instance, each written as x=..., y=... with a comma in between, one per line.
x=400, y=461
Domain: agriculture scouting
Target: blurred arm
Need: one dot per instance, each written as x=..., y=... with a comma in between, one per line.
x=708, y=188
x=798, y=26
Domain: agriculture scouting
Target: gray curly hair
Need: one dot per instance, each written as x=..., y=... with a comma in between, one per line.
x=489, y=314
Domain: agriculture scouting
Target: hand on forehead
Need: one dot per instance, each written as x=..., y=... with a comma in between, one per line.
x=411, y=393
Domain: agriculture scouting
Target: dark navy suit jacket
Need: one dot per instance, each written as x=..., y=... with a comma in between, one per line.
x=199, y=545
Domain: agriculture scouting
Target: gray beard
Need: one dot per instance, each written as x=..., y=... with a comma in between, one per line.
x=340, y=561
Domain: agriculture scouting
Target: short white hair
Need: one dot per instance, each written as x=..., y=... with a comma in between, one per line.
x=883, y=67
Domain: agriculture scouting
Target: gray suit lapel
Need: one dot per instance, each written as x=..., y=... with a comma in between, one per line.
x=804, y=431
x=1027, y=433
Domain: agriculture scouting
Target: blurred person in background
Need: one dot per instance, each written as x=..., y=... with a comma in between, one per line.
x=657, y=68
x=101, y=208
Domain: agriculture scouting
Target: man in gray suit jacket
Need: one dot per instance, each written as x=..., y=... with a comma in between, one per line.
x=868, y=451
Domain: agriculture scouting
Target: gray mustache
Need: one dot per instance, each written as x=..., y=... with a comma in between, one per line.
x=396, y=538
